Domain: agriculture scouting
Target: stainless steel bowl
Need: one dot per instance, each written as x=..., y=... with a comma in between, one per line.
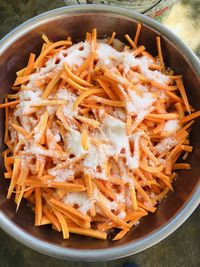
x=176, y=208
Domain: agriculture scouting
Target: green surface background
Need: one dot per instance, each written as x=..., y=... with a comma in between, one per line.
x=182, y=248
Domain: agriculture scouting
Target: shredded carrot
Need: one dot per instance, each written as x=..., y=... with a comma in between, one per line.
x=134, y=198
x=190, y=117
x=106, y=88
x=46, y=39
x=48, y=49
x=66, y=186
x=86, y=63
x=30, y=65
x=131, y=42
x=20, y=129
x=63, y=224
x=139, y=50
x=93, y=139
x=137, y=34
x=181, y=166
x=21, y=80
x=88, y=183
x=163, y=87
x=38, y=206
x=9, y=104
x=86, y=94
x=181, y=88
x=159, y=50
x=75, y=78
x=6, y=121
x=51, y=85
x=123, y=232
x=52, y=218
x=111, y=38
x=167, y=116
x=15, y=174
x=69, y=209
x=88, y=232
x=111, y=215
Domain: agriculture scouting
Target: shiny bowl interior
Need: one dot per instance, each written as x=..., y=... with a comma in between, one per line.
x=178, y=205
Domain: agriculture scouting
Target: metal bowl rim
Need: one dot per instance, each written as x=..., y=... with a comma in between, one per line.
x=132, y=247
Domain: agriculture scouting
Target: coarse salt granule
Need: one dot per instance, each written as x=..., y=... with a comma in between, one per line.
x=81, y=199
x=166, y=144
x=171, y=126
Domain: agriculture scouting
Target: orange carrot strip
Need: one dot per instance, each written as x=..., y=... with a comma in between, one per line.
x=69, y=209
x=70, y=187
x=162, y=194
x=53, y=219
x=134, y=197
x=74, y=84
x=86, y=63
x=137, y=34
x=20, y=80
x=84, y=139
x=88, y=232
x=111, y=38
x=165, y=116
x=181, y=166
x=159, y=50
x=48, y=49
x=111, y=215
x=63, y=224
x=44, y=103
x=15, y=175
x=165, y=180
x=173, y=96
x=45, y=38
x=23, y=174
x=20, y=130
x=106, y=88
x=51, y=85
x=21, y=193
x=88, y=184
x=6, y=136
x=104, y=189
x=74, y=77
x=114, y=103
x=131, y=42
x=7, y=175
x=190, y=117
x=139, y=50
x=181, y=88
x=9, y=104
x=123, y=232
x=151, y=209
x=164, y=87
x=30, y=65
x=84, y=95
x=41, y=127
x=180, y=109
x=38, y=206
x=90, y=122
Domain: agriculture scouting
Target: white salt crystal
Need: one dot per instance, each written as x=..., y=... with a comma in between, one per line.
x=64, y=94
x=122, y=215
x=61, y=175
x=81, y=199
x=140, y=105
x=166, y=144
x=171, y=126
x=74, y=143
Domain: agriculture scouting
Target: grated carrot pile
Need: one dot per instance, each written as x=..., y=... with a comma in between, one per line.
x=94, y=133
